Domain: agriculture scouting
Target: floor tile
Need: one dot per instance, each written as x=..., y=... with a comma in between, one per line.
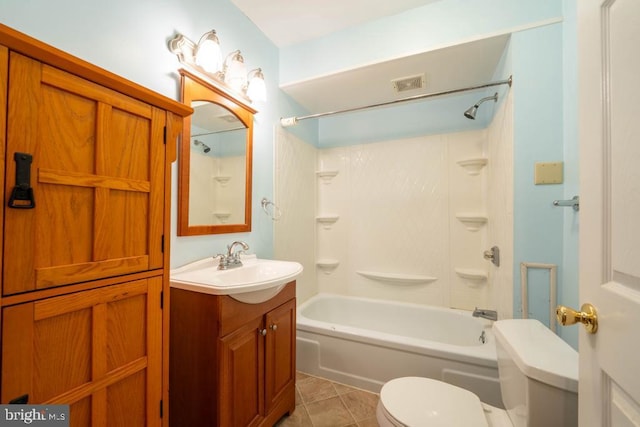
x=329, y=413
x=361, y=404
x=298, y=397
x=299, y=418
x=324, y=403
x=301, y=376
x=314, y=389
x=369, y=422
x=342, y=389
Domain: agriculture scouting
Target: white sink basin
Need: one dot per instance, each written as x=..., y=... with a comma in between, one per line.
x=256, y=281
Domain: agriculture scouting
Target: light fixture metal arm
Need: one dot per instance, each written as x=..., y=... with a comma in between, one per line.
x=183, y=48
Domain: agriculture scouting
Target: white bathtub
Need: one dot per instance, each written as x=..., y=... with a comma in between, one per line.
x=366, y=342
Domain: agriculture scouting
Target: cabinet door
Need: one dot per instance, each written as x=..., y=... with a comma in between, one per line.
x=242, y=376
x=97, y=176
x=98, y=351
x=280, y=355
x=4, y=79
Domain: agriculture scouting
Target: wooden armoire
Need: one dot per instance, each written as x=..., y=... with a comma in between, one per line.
x=85, y=230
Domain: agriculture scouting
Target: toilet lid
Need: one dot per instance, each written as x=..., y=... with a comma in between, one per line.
x=417, y=401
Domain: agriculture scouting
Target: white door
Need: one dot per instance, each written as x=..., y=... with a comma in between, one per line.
x=609, y=133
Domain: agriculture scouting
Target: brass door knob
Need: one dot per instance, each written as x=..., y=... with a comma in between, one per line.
x=588, y=316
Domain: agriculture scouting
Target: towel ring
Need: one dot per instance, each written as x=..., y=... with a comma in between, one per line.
x=275, y=212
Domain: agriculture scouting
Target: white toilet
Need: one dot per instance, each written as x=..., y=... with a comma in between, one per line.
x=538, y=381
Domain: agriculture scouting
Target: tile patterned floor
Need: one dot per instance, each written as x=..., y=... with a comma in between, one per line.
x=323, y=403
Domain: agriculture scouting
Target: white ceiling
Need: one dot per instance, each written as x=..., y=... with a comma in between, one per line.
x=287, y=22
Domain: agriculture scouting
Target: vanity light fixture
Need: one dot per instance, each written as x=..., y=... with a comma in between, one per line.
x=208, y=54
x=234, y=71
x=256, y=89
x=206, y=58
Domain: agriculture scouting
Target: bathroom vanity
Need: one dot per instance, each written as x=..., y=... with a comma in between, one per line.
x=232, y=363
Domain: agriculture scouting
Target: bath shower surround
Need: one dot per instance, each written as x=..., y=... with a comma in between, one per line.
x=401, y=208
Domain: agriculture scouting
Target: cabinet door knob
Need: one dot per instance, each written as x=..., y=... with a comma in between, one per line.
x=273, y=327
x=262, y=332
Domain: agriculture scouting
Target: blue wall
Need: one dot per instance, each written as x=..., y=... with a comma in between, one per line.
x=538, y=132
x=432, y=116
x=569, y=280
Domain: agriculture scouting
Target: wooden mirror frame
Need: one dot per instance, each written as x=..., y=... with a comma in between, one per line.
x=194, y=88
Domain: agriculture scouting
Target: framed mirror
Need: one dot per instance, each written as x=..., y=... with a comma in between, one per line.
x=215, y=161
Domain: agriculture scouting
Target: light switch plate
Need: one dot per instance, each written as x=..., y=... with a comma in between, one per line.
x=548, y=173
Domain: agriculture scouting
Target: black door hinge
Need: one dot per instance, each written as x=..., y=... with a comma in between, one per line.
x=20, y=400
x=161, y=410
x=161, y=300
x=164, y=136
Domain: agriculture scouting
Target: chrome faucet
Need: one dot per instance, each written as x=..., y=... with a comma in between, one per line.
x=232, y=259
x=485, y=314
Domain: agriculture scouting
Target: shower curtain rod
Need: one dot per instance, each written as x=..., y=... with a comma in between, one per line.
x=291, y=121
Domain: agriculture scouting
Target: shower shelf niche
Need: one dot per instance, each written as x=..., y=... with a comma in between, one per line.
x=327, y=265
x=222, y=179
x=222, y=216
x=473, y=166
x=471, y=274
x=472, y=221
x=327, y=221
x=327, y=176
x=398, y=278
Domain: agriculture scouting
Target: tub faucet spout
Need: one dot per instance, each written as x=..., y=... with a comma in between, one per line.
x=485, y=314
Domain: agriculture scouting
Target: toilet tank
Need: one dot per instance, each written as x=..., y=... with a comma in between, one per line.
x=538, y=374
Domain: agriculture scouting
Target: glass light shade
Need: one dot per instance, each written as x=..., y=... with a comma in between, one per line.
x=257, y=90
x=235, y=74
x=208, y=54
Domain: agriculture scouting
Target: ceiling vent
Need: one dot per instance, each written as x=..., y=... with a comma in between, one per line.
x=404, y=84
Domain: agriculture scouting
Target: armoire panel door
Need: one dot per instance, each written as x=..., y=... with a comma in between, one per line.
x=4, y=79
x=97, y=175
x=99, y=351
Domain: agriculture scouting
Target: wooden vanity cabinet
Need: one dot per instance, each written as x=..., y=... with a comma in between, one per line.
x=85, y=262
x=232, y=363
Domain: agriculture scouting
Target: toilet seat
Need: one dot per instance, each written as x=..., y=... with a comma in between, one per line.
x=418, y=401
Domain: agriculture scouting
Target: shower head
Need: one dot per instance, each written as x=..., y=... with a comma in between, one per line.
x=205, y=147
x=471, y=112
